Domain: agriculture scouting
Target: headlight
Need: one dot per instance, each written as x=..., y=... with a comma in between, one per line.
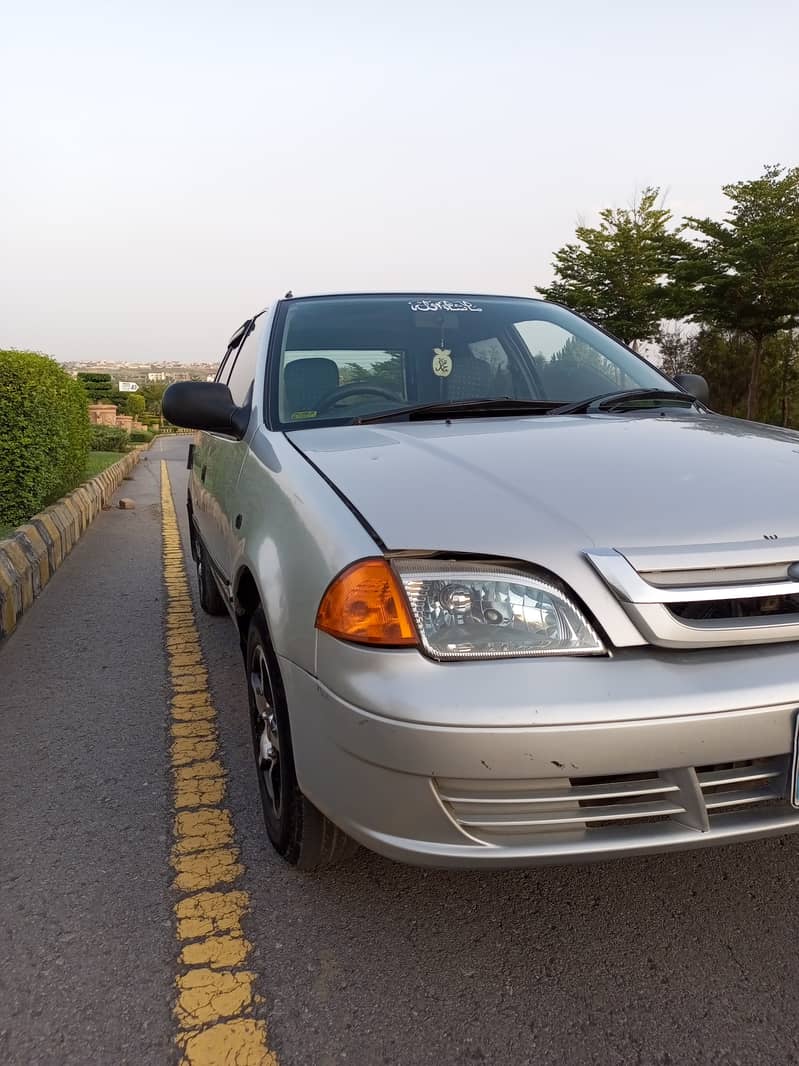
x=478, y=611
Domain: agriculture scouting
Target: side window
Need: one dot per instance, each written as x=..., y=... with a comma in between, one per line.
x=570, y=368
x=223, y=371
x=243, y=373
x=224, y=366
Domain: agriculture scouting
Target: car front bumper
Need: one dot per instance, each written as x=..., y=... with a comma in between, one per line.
x=522, y=763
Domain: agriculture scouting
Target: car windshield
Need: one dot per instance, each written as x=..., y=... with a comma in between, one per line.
x=343, y=358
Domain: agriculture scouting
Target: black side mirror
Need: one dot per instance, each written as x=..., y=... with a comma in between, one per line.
x=695, y=385
x=204, y=405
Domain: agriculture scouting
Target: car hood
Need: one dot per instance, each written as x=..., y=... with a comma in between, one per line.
x=530, y=488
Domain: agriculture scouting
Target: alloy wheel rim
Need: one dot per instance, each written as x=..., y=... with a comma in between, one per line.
x=266, y=733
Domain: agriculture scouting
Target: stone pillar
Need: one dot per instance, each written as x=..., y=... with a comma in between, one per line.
x=102, y=414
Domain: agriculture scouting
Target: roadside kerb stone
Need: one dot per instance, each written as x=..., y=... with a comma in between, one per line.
x=35, y=552
x=51, y=536
x=10, y=595
x=31, y=554
x=22, y=568
x=57, y=515
x=73, y=516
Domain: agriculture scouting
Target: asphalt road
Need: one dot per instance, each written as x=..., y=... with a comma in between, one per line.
x=689, y=958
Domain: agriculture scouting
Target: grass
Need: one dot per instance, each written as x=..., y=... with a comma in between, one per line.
x=98, y=461
x=95, y=464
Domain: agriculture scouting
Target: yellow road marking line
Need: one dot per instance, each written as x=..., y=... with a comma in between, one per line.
x=215, y=1000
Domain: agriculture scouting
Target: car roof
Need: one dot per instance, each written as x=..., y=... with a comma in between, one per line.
x=292, y=295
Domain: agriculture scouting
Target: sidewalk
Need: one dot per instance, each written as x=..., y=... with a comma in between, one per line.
x=86, y=961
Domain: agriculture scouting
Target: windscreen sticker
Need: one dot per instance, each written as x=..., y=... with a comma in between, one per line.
x=442, y=362
x=443, y=305
x=303, y=414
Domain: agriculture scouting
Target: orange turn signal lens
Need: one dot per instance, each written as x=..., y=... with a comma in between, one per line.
x=365, y=604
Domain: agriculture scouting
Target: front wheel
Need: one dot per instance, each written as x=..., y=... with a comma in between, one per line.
x=299, y=832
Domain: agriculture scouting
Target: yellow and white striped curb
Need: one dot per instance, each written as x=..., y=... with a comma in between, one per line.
x=214, y=1009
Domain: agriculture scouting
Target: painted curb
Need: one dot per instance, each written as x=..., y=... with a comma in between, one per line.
x=34, y=551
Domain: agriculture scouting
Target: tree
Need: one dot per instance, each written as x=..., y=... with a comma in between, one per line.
x=135, y=404
x=152, y=394
x=742, y=274
x=788, y=356
x=724, y=358
x=676, y=351
x=99, y=387
x=387, y=373
x=577, y=354
x=617, y=273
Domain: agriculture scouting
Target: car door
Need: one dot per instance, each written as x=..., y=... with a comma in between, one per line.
x=204, y=459
x=220, y=457
x=204, y=451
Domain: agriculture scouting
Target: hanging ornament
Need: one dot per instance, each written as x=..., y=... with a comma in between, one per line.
x=442, y=362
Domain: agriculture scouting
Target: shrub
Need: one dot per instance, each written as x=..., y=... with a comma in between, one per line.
x=99, y=387
x=138, y=437
x=44, y=434
x=134, y=405
x=108, y=439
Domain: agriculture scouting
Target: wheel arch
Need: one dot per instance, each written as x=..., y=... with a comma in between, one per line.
x=247, y=599
x=193, y=534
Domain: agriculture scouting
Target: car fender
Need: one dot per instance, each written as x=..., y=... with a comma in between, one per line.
x=297, y=533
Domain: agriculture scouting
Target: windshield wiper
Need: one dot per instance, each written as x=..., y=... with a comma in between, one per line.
x=615, y=401
x=499, y=405
x=505, y=405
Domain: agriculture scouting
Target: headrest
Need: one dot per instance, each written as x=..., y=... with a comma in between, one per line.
x=307, y=381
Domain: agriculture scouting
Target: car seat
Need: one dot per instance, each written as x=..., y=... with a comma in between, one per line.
x=471, y=378
x=307, y=381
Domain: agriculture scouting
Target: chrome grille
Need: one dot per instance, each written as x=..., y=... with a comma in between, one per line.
x=751, y=607
x=498, y=811
x=742, y=784
x=706, y=596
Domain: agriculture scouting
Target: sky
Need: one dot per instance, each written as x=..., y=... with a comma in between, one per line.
x=167, y=169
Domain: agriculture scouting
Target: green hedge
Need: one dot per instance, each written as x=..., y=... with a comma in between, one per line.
x=108, y=439
x=44, y=434
x=137, y=436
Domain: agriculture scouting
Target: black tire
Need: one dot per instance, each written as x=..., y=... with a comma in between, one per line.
x=299, y=832
x=210, y=597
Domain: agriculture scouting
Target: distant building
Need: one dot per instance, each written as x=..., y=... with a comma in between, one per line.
x=157, y=375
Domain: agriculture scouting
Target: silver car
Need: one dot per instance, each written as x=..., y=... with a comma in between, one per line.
x=506, y=594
